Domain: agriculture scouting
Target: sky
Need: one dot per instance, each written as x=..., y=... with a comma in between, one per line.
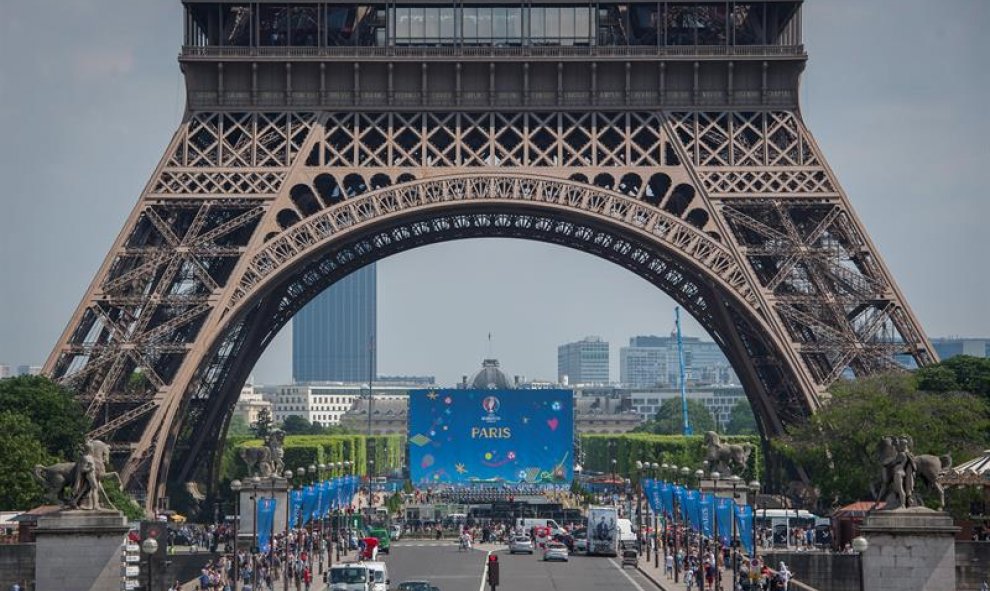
x=90, y=94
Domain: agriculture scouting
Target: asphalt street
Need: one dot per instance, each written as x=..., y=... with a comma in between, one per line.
x=452, y=570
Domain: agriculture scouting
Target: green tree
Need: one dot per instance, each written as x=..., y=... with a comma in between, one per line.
x=20, y=440
x=838, y=445
x=963, y=372
x=238, y=427
x=263, y=426
x=669, y=419
x=60, y=420
x=742, y=421
x=298, y=425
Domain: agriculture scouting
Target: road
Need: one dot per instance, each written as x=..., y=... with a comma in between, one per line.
x=451, y=570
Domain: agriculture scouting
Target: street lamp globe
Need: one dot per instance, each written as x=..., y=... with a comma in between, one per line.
x=311, y=469
x=754, y=485
x=665, y=466
x=735, y=479
x=255, y=480
x=716, y=476
x=685, y=470
x=655, y=465
x=149, y=546
x=860, y=544
x=235, y=485
x=639, y=465
x=288, y=474
x=699, y=474
x=300, y=471
x=323, y=467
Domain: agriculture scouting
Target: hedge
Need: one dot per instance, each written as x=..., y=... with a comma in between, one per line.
x=676, y=450
x=305, y=450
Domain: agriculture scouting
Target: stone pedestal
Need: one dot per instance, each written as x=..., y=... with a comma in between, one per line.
x=79, y=550
x=280, y=488
x=909, y=550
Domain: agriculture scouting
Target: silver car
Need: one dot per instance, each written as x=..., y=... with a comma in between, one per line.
x=520, y=544
x=555, y=551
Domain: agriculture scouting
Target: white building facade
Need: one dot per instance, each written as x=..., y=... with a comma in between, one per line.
x=718, y=400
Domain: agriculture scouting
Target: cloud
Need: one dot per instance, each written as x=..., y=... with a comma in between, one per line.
x=99, y=63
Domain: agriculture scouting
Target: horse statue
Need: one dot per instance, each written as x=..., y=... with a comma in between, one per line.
x=901, y=469
x=83, y=478
x=267, y=460
x=726, y=455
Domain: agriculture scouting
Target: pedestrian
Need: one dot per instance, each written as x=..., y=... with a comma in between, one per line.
x=668, y=565
x=785, y=575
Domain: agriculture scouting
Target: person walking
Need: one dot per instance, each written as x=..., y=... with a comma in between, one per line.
x=785, y=575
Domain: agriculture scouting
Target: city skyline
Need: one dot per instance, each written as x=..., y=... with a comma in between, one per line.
x=106, y=111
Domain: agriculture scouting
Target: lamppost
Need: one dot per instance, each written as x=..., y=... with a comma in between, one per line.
x=718, y=539
x=311, y=470
x=271, y=531
x=323, y=516
x=640, y=467
x=677, y=560
x=235, y=487
x=656, y=521
x=735, y=480
x=149, y=546
x=754, y=487
x=288, y=519
x=301, y=476
x=860, y=544
x=348, y=464
x=255, y=483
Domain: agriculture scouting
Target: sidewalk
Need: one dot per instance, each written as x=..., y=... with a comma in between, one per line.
x=655, y=575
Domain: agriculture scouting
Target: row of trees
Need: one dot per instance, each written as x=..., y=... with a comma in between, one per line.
x=669, y=419
x=292, y=425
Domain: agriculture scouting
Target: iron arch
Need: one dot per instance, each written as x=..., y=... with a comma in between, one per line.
x=299, y=262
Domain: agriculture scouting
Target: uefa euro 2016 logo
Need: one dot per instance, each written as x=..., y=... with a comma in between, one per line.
x=491, y=405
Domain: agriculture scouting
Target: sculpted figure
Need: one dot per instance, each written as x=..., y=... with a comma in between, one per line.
x=267, y=460
x=726, y=457
x=902, y=469
x=83, y=476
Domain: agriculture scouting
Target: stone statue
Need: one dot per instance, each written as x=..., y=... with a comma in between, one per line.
x=902, y=469
x=267, y=460
x=83, y=477
x=726, y=457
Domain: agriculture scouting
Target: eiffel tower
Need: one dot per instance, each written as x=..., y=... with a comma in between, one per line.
x=321, y=136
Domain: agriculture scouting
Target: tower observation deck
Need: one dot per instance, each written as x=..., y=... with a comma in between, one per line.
x=555, y=55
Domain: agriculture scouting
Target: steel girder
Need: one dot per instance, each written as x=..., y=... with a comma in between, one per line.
x=250, y=214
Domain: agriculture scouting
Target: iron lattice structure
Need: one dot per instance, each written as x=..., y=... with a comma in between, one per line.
x=253, y=211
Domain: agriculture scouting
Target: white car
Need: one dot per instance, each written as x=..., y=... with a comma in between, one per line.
x=520, y=544
x=555, y=551
x=396, y=531
x=581, y=543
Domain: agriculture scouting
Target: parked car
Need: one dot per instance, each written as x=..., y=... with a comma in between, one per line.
x=555, y=551
x=520, y=544
x=415, y=586
x=630, y=558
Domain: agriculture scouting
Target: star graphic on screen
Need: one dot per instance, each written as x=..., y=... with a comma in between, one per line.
x=525, y=420
x=461, y=469
x=432, y=396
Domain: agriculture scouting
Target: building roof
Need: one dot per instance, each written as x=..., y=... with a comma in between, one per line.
x=490, y=377
x=974, y=472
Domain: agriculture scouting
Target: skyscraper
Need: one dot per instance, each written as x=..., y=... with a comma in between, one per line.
x=333, y=337
x=584, y=361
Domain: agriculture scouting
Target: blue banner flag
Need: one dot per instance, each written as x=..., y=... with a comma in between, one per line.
x=655, y=499
x=295, y=506
x=744, y=525
x=706, y=514
x=679, y=492
x=266, y=521
x=667, y=498
x=691, y=510
x=309, y=502
x=725, y=517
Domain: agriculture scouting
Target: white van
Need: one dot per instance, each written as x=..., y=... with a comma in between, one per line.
x=352, y=576
x=627, y=537
x=527, y=525
x=378, y=573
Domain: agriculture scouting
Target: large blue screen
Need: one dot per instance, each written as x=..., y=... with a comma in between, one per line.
x=491, y=436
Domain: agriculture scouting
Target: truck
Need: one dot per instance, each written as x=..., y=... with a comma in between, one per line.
x=603, y=531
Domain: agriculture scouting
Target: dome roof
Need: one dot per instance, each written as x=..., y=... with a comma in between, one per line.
x=490, y=377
